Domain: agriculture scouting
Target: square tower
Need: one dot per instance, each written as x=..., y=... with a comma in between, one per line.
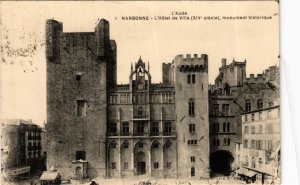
x=192, y=122
x=77, y=69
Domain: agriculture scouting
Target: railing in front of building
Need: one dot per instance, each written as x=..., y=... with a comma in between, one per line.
x=143, y=134
x=140, y=116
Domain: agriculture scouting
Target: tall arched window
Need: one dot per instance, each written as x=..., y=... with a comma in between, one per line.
x=192, y=172
x=224, y=141
x=193, y=78
x=188, y=78
x=228, y=127
x=217, y=127
x=260, y=103
x=224, y=127
x=248, y=105
x=140, y=111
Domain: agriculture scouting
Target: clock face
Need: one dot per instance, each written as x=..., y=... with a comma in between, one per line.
x=140, y=85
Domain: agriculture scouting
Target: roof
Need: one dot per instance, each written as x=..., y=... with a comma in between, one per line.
x=246, y=172
x=49, y=175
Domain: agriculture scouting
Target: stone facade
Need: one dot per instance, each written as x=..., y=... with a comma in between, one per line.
x=117, y=131
x=232, y=95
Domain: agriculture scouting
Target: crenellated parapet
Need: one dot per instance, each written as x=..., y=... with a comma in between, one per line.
x=192, y=64
x=268, y=75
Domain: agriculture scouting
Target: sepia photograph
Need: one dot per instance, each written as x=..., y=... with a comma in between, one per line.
x=140, y=92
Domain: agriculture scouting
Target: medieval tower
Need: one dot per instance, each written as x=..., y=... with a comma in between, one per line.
x=78, y=65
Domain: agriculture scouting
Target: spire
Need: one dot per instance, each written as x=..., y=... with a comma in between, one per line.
x=148, y=66
x=131, y=68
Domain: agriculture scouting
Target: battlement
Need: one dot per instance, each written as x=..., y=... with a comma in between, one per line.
x=258, y=79
x=189, y=57
x=192, y=64
x=265, y=76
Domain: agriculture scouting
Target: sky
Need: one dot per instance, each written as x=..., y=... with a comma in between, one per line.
x=23, y=65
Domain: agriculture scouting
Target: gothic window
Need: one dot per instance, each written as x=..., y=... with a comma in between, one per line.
x=192, y=159
x=225, y=109
x=228, y=141
x=125, y=129
x=193, y=78
x=215, y=109
x=260, y=103
x=248, y=105
x=156, y=165
x=191, y=107
x=224, y=127
x=113, y=128
x=193, y=171
x=140, y=127
x=140, y=111
x=224, y=141
x=154, y=129
x=167, y=128
x=125, y=144
x=228, y=127
x=188, y=78
x=141, y=145
x=217, y=128
x=192, y=128
x=155, y=145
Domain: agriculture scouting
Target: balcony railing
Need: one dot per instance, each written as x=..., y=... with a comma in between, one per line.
x=151, y=134
x=140, y=116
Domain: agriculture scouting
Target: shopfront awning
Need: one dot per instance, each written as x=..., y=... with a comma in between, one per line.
x=49, y=176
x=246, y=172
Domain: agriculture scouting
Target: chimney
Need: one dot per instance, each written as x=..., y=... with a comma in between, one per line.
x=223, y=62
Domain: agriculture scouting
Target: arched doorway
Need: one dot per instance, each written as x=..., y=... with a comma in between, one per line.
x=221, y=162
x=169, y=152
x=140, y=158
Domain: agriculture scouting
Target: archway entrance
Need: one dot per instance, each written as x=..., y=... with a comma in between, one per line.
x=140, y=161
x=221, y=162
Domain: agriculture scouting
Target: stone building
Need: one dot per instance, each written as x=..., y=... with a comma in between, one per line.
x=232, y=95
x=21, y=148
x=97, y=128
x=225, y=124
